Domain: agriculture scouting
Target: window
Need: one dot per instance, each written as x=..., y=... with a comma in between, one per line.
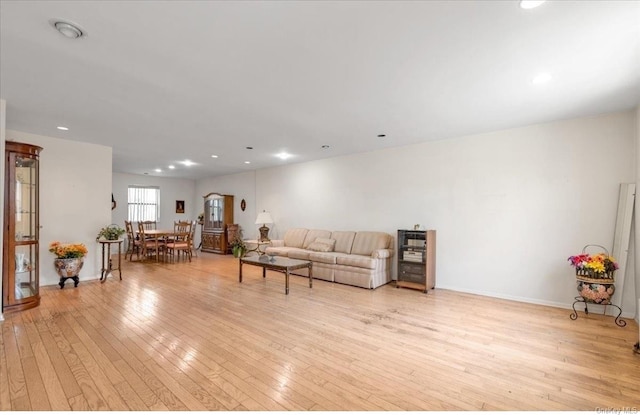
x=143, y=203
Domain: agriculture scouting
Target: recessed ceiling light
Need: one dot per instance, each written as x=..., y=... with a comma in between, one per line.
x=214, y=156
x=530, y=4
x=284, y=155
x=172, y=167
x=382, y=135
x=158, y=170
x=247, y=162
x=325, y=146
x=68, y=29
x=62, y=128
x=541, y=78
x=188, y=163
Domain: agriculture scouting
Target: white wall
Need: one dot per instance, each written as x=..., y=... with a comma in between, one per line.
x=241, y=186
x=170, y=191
x=509, y=206
x=75, y=198
x=3, y=121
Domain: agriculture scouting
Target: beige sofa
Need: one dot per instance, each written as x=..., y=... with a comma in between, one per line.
x=362, y=259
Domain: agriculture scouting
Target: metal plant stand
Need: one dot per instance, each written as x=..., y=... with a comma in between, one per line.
x=574, y=316
x=596, y=285
x=108, y=269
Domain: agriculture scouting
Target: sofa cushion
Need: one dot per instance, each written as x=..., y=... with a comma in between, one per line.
x=295, y=237
x=281, y=250
x=297, y=253
x=325, y=257
x=322, y=245
x=359, y=261
x=366, y=242
x=312, y=235
x=344, y=240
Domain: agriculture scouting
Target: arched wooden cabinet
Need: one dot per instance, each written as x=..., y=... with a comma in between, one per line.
x=218, y=215
x=21, y=265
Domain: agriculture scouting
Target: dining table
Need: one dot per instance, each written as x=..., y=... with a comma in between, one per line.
x=164, y=234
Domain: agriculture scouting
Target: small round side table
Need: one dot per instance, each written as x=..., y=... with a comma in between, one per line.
x=109, y=268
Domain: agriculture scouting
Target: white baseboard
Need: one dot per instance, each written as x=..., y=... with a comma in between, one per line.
x=598, y=308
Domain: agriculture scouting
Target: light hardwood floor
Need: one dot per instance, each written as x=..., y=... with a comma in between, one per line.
x=188, y=336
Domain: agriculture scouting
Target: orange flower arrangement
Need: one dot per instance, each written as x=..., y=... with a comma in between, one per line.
x=64, y=251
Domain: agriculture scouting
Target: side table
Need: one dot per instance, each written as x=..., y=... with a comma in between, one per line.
x=260, y=246
x=109, y=268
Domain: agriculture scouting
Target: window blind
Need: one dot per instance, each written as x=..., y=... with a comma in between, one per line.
x=143, y=203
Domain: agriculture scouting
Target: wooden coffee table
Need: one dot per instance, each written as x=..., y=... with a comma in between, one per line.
x=280, y=264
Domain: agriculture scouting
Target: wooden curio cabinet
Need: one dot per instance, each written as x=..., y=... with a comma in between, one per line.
x=218, y=215
x=21, y=268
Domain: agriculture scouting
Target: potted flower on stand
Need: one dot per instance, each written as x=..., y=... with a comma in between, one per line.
x=238, y=247
x=594, y=274
x=111, y=232
x=69, y=260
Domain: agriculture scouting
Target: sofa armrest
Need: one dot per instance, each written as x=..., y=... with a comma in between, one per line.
x=277, y=243
x=382, y=253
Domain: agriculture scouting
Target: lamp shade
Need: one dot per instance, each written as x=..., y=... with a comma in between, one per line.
x=263, y=217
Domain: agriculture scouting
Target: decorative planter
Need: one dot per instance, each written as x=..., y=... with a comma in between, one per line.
x=68, y=268
x=238, y=251
x=595, y=277
x=596, y=292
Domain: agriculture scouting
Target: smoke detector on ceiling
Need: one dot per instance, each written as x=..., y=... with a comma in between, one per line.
x=68, y=29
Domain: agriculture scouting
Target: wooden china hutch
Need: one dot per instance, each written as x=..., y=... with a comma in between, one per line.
x=20, y=263
x=218, y=216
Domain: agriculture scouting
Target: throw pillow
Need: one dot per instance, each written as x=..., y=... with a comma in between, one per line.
x=322, y=245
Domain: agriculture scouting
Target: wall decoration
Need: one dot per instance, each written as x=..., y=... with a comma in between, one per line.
x=113, y=202
x=179, y=206
x=243, y=205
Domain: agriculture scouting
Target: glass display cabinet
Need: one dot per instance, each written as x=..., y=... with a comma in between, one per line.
x=20, y=269
x=218, y=215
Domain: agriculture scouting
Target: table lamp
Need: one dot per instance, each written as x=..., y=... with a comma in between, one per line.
x=263, y=218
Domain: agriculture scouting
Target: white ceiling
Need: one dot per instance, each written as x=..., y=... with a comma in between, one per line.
x=162, y=82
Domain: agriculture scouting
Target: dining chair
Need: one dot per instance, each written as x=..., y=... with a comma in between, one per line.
x=149, y=224
x=133, y=244
x=181, y=242
x=149, y=244
x=178, y=226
